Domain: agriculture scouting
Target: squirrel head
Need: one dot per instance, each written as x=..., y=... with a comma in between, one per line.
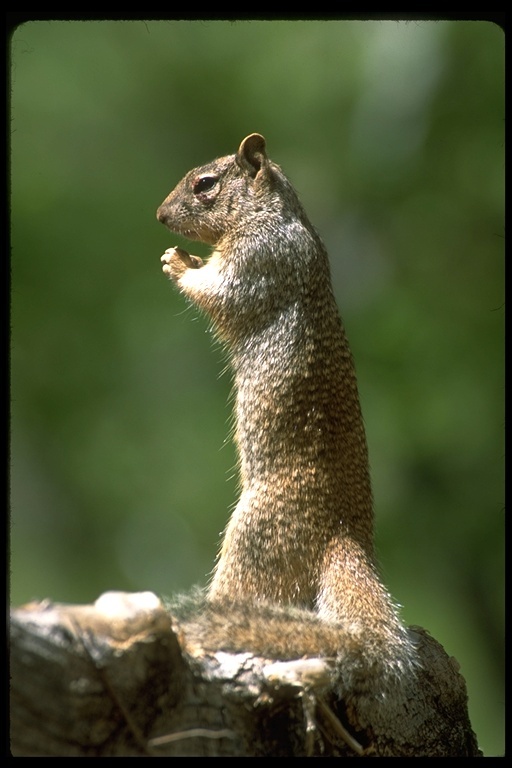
x=228, y=194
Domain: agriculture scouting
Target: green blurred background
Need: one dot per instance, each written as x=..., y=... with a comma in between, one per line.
x=121, y=467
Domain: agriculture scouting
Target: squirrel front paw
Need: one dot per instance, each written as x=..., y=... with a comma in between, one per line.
x=176, y=261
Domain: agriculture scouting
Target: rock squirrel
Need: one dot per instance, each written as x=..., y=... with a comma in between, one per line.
x=295, y=574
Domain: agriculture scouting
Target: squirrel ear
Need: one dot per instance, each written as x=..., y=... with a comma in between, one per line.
x=251, y=155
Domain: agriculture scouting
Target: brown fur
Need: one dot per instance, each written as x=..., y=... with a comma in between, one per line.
x=302, y=532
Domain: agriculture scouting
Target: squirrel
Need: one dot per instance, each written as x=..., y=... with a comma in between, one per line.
x=296, y=573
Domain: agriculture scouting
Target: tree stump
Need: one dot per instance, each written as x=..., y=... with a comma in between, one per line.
x=121, y=678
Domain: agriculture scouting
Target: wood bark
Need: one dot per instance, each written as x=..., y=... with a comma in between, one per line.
x=118, y=678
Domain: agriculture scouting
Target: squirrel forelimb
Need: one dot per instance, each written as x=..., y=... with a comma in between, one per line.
x=176, y=261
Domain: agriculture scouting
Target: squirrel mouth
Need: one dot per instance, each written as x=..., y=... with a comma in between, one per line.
x=200, y=236
x=192, y=234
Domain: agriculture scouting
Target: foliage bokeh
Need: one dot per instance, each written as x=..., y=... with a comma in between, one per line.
x=122, y=472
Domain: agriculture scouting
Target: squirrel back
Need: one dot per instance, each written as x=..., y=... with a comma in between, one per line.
x=297, y=554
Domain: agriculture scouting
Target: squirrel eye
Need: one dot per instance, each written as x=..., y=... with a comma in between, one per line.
x=204, y=183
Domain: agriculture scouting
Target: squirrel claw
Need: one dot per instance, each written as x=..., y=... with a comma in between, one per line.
x=192, y=262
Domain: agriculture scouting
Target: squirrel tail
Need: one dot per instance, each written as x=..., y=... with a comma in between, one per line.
x=367, y=661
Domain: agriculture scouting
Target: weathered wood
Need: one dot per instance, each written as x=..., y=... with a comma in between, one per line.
x=120, y=678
